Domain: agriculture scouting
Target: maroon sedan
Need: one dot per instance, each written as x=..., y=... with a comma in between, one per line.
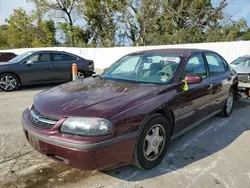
x=131, y=112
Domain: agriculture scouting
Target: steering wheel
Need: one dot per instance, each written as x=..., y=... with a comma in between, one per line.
x=164, y=73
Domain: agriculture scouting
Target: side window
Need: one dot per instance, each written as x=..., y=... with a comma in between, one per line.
x=195, y=65
x=127, y=66
x=44, y=58
x=34, y=58
x=247, y=64
x=63, y=57
x=69, y=58
x=215, y=63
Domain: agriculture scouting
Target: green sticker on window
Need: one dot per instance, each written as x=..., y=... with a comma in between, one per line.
x=185, y=85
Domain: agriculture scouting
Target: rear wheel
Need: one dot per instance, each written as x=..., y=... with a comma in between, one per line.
x=229, y=105
x=8, y=82
x=152, y=142
x=80, y=74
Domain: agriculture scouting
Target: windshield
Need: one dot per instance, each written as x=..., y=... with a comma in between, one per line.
x=242, y=62
x=144, y=68
x=21, y=57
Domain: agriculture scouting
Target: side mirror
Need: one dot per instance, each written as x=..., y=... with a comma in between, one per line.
x=105, y=69
x=193, y=79
x=29, y=62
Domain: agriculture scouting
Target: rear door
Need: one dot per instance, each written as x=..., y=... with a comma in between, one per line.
x=220, y=78
x=194, y=103
x=62, y=65
x=39, y=71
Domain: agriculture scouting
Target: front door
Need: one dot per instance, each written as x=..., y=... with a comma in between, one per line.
x=194, y=103
x=40, y=70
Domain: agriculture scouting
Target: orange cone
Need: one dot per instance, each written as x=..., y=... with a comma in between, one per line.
x=74, y=71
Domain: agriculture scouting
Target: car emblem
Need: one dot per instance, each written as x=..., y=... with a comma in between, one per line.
x=35, y=117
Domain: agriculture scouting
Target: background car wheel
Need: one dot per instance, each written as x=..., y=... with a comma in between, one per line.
x=229, y=105
x=8, y=82
x=152, y=142
x=80, y=74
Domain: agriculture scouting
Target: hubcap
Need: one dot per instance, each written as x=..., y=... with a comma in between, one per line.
x=230, y=101
x=8, y=83
x=80, y=75
x=154, y=142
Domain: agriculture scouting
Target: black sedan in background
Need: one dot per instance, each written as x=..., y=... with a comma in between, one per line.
x=36, y=67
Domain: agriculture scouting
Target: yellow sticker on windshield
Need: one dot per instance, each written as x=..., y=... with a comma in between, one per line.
x=185, y=85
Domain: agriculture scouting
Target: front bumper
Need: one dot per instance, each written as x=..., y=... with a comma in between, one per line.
x=94, y=156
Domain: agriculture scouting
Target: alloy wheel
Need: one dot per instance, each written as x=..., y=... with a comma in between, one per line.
x=8, y=83
x=154, y=142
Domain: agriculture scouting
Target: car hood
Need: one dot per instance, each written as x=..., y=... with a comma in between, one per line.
x=90, y=97
x=240, y=69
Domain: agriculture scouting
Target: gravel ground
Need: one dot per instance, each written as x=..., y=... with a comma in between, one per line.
x=215, y=154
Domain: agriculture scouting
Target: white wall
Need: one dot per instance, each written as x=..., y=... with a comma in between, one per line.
x=103, y=57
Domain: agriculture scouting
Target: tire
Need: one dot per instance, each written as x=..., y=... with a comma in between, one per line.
x=142, y=147
x=8, y=82
x=229, y=106
x=81, y=74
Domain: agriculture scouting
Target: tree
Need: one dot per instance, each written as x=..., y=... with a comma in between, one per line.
x=23, y=32
x=230, y=31
x=64, y=11
x=20, y=30
x=102, y=19
x=140, y=19
x=44, y=34
x=3, y=38
x=170, y=21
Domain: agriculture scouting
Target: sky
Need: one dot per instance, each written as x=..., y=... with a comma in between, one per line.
x=237, y=8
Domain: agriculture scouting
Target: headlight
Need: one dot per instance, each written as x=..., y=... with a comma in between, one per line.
x=86, y=126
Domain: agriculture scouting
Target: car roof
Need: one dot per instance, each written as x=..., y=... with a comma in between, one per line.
x=245, y=56
x=178, y=51
x=49, y=51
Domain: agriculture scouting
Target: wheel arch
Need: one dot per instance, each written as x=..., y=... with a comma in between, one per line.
x=83, y=71
x=169, y=115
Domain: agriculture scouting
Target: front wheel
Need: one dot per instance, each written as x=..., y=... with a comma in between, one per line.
x=8, y=82
x=152, y=142
x=229, y=105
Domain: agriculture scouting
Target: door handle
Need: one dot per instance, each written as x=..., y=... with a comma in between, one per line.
x=48, y=66
x=229, y=78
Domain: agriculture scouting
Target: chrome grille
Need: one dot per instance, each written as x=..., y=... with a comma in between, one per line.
x=41, y=121
x=245, y=78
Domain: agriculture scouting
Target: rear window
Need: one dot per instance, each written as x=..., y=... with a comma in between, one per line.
x=63, y=57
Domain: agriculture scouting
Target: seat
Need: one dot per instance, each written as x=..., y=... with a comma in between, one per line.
x=153, y=69
x=45, y=57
